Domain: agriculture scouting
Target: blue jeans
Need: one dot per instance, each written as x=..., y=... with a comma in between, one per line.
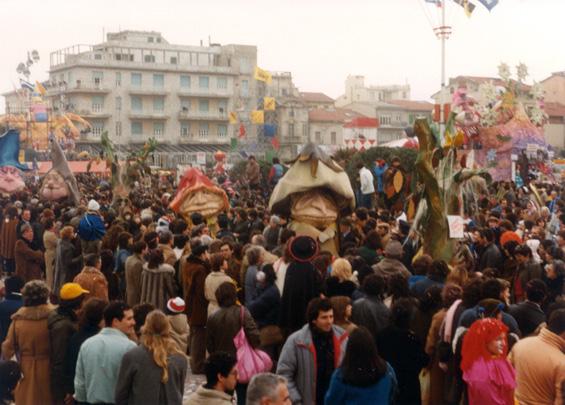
x=366, y=200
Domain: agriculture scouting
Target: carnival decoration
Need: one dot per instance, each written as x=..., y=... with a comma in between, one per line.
x=124, y=174
x=220, y=158
x=314, y=193
x=59, y=182
x=197, y=193
x=11, y=179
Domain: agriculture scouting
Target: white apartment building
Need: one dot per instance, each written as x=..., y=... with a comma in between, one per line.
x=357, y=92
x=136, y=86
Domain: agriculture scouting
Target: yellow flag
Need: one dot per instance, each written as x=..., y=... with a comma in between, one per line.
x=233, y=117
x=269, y=104
x=39, y=88
x=257, y=117
x=263, y=75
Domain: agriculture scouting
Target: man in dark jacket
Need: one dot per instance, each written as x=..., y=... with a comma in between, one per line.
x=62, y=324
x=29, y=261
x=12, y=302
x=529, y=314
x=194, y=274
x=370, y=311
x=489, y=256
x=527, y=270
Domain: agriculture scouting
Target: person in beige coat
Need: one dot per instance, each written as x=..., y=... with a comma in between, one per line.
x=28, y=340
x=157, y=281
x=50, y=240
x=179, y=323
x=540, y=364
x=219, y=266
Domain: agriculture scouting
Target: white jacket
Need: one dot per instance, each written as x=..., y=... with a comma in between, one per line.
x=366, y=178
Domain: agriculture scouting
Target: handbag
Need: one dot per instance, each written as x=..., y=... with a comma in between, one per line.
x=250, y=361
x=270, y=335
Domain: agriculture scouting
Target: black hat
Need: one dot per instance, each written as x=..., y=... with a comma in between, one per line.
x=303, y=248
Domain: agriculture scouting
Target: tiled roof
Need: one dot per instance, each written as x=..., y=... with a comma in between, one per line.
x=336, y=115
x=413, y=105
x=555, y=109
x=316, y=97
x=362, y=122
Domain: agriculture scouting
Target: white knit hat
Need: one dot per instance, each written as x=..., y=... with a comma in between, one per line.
x=93, y=205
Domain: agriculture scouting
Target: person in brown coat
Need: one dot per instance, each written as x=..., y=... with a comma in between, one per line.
x=8, y=237
x=92, y=279
x=50, y=241
x=28, y=260
x=28, y=339
x=225, y=323
x=134, y=268
x=253, y=172
x=195, y=270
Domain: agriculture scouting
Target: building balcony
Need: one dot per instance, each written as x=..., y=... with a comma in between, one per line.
x=204, y=93
x=148, y=91
x=79, y=87
x=202, y=116
x=148, y=115
x=93, y=114
x=210, y=138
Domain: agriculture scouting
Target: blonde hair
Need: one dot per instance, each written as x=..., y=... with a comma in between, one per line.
x=67, y=232
x=341, y=268
x=156, y=337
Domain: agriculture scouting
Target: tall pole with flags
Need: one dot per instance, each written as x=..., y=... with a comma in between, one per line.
x=442, y=32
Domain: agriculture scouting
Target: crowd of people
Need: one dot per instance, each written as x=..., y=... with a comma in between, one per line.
x=121, y=300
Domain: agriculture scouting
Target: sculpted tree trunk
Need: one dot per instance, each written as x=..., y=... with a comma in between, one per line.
x=435, y=230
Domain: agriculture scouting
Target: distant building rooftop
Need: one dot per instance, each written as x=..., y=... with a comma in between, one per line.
x=316, y=97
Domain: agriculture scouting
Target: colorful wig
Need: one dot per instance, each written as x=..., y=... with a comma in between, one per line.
x=479, y=335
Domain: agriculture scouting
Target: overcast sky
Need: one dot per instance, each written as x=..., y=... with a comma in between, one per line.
x=319, y=41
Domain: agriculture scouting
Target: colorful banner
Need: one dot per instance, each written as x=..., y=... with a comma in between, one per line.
x=489, y=4
x=270, y=130
x=242, y=131
x=263, y=75
x=269, y=104
x=233, y=117
x=39, y=88
x=276, y=144
x=257, y=117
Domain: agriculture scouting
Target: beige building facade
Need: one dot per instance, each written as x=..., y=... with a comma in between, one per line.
x=357, y=92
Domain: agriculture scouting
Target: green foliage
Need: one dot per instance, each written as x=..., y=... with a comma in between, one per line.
x=368, y=157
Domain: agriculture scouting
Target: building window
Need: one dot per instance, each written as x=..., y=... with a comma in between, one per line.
x=97, y=128
x=318, y=137
x=185, y=82
x=158, y=81
x=159, y=104
x=291, y=130
x=305, y=131
x=333, y=137
x=203, y=130
x=385, y=120
x=185, y=129
x=185, y=106
x=150, y=39
x=244, y=88
x=222, y=107
x=118, y=104
x=118, y=79
x=158, y=128
x=203, y=106
x=136, y=104
x=97, y=56
x=222, y=130
x=203, y=82
x=222, y=82
x=97, y=104
x=136, y=79
x=149, y=58
x=136, y=128
x=291, y=113
x=398, y=118
x=118, y=128
x=173, y=60
x=97, y=78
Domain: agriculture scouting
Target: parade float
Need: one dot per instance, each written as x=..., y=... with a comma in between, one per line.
x=196, y=193
x=314, y=194
x=11, y=178
x=483, y=139
x=59, y=182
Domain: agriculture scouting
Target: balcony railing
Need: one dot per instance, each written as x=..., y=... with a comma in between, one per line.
x=202, y=116
x=205, y=93
x=78, y=87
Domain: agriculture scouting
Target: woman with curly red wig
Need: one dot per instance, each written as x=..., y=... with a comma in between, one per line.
x=489, y=375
